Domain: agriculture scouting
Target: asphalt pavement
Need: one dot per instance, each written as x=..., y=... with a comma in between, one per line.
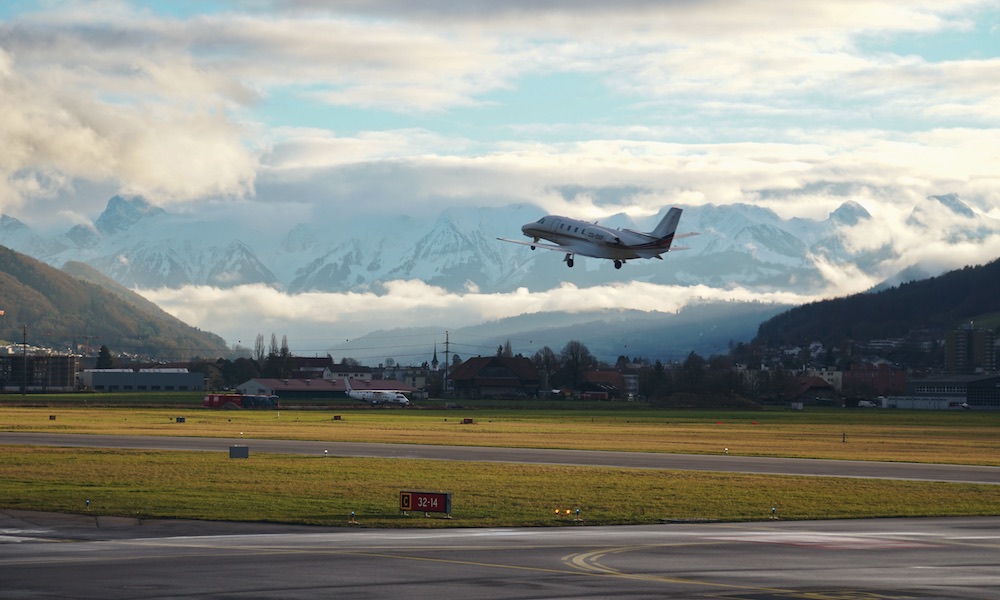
x=79, y=556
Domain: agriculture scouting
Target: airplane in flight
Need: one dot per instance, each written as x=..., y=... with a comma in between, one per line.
x=376, y=396
x=573, y=237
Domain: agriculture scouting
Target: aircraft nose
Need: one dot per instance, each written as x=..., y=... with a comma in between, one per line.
x=526, y=228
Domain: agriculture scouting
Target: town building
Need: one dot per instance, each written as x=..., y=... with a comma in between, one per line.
x=970, y=350
x=38, y=372
x=872, y=380
x=495, y=377
x=337, y=372
x=808, y=390
x=419, y=378
x=603, y=384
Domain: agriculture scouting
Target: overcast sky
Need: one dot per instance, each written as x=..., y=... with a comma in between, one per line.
x=315, y=107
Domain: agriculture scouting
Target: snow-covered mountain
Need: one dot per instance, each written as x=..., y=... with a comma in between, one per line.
x=144, y=246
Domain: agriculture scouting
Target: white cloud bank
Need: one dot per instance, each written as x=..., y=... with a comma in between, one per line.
x=314, y=321
x=196, y=107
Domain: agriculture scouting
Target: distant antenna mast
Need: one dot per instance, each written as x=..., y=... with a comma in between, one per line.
x=24, y=358
x=447, y=362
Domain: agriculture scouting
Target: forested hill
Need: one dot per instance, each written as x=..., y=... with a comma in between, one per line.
x=61, y=310
x=939, y=303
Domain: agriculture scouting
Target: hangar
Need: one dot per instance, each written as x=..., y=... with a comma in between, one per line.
x=142, y=380
x=945, y=392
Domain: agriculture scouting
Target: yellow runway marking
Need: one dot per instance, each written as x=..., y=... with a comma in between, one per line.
x=590, y=563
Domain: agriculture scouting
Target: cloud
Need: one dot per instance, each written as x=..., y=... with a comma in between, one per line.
x=57, y=128
x=402, y=107
x=317, y=321
x=175, y=108
x=689, y=19
x=807, y=174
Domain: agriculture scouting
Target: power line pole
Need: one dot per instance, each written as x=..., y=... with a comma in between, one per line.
x=447, y=363
x=24, y=358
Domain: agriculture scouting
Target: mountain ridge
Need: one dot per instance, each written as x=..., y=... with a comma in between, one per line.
x=939, y=303
x=705, y=329
x=60, y=309
x=141, y=245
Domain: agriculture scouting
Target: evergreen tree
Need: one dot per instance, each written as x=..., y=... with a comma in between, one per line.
x=104, y=359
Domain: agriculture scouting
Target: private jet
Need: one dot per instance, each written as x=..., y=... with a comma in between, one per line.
x=590, y=239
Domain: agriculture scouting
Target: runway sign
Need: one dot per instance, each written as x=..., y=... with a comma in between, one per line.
x=425, y=501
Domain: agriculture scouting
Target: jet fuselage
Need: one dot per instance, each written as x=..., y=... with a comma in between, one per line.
x=591, y=239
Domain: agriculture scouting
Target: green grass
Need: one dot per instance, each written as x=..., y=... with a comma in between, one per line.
x=962, y=437
x=106, y=399
x=317, y=490
x=325, y=491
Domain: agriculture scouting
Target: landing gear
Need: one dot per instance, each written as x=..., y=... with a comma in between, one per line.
x=569, y=260
x=618, y=264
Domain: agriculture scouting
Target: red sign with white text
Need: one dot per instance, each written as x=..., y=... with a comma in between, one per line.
x=425, y=502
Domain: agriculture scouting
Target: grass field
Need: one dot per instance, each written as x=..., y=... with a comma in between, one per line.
x=326, y=490
x=881, y=435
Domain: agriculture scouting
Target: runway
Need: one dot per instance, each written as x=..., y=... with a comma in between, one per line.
x=82, y=556
x=637, y=460
x=71, y=556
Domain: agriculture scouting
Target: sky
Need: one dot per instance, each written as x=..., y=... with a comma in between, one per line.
x=308, y=108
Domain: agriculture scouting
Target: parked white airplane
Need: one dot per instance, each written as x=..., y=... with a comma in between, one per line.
x=376, y=396
x=590, y=239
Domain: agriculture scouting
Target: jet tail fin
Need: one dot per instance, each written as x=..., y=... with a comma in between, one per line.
x=347, y=384
x=668, y=225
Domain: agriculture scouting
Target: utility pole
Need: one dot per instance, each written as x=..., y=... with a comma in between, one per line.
x=447, y=363
x=24, y=358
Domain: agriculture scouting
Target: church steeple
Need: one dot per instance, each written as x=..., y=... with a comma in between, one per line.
x=434, y=361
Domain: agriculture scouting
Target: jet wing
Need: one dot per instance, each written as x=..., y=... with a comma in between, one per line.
x=537, y=245
x=677, y=236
